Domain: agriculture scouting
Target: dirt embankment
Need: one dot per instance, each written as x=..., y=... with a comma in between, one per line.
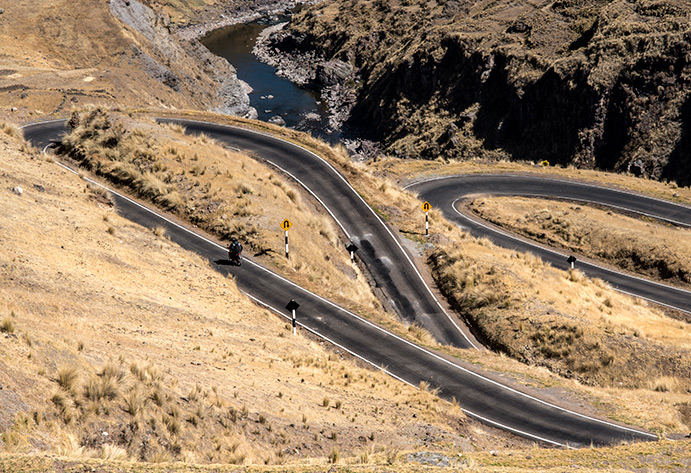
x=649, y=248
x=602, y=84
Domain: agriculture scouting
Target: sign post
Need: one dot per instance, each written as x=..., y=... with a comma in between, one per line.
x=426, y=207
x=572, y=261
x=285, y=225
x=292, y=306
x=352, y=249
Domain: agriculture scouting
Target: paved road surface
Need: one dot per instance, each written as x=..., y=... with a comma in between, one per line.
x=444, y=193
x=481, y=397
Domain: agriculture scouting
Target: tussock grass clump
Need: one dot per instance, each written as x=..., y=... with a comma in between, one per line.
x=335, y=455
x=7, y=324
x=11, y=129
x=143, y=407
x=68, y=377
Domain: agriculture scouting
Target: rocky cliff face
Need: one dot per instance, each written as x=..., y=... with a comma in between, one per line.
x=185, y=66
x=595, y=84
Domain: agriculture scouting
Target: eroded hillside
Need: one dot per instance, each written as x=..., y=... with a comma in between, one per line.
x=596, y=84
x=59, y=54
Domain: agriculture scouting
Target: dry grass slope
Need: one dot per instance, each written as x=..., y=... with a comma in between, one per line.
x=123, y=347
x=67, y=321
x=606, y=346
x=223, y=192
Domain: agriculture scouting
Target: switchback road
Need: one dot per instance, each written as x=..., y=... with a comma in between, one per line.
x=480, y=395
x=444, y=193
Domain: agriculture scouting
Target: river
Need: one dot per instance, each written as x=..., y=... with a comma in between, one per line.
x=271, y=95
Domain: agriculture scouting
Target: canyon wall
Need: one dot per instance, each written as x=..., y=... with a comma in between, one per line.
x=596, y=84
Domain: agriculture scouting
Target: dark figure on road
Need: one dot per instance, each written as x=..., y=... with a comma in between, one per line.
x=235, y=252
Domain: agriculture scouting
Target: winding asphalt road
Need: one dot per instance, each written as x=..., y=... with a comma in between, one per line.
x=444, y=193
x=480, y=395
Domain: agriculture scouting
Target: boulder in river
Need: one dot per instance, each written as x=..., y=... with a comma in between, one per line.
x=277, y=120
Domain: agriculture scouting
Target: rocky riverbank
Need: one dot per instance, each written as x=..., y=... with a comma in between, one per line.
x=335, y=81
x=214, y=17
x=186, y=67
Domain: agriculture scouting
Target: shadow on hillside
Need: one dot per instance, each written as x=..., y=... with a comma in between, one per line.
x=408, y=232
x=678, y=168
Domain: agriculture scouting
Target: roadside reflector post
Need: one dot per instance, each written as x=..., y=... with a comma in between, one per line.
x=292, y=307
x=572, y=261
x=426, y=207
x=285, y=225
x=352, y=249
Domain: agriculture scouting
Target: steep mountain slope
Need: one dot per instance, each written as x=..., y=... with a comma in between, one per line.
x=596, y=84
x=57, y=54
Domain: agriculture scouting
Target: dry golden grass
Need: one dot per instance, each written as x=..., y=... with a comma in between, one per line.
x=129, y=335
x=224, y=192
x=175, y=329
x=659, y=456
x=577, y=327
x=653, y=249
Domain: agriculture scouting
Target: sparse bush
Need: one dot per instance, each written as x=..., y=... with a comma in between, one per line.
x=101, y=387
x=157, y=396
x=160, y=230
x=113, y=452
x=392, y=455
x=7, y=324
x=68, y=377
x=576, y=276
x=135, y=402
x=172, y=424
x=11, y=130
x=334, y=456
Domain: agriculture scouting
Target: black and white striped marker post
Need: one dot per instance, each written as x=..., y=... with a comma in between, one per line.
x=285, y=225
x=572, y=261
x=352, y=249
x=426, y=207
x=292, y=306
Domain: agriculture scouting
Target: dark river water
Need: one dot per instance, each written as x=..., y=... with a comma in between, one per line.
x=271, y=94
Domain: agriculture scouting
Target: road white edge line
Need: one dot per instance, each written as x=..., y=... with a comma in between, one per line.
x=580, y=183
x=335, y=171
x=312, y=194
x=555, y=252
